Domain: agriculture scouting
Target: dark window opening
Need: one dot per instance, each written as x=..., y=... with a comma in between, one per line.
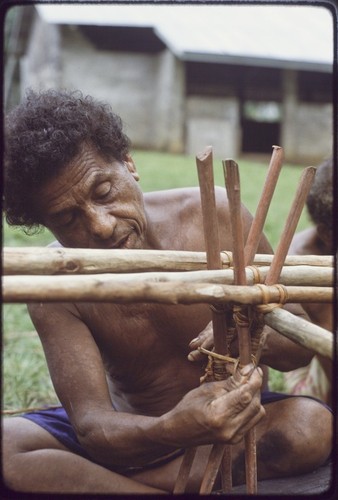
x=259, y=137
x=246, y=82
x=260, y=125
x=314, y=87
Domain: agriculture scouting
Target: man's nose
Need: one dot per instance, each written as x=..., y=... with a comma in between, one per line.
x=101, y=223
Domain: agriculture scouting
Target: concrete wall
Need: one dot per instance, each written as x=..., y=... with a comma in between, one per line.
x=40, y=67
x=148, y=92
x=145, y=90
x=213, y=121
x=307, y=128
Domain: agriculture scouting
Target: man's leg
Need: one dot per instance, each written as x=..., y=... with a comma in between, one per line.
x=295, y=437
x=34, y=461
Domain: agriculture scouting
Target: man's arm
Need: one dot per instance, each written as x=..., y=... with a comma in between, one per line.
x=221, y=412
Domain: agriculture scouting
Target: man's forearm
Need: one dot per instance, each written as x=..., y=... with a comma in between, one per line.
x=213, y=412
x=114, y=438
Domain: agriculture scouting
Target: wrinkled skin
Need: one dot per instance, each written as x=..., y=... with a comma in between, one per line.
x=137, y=356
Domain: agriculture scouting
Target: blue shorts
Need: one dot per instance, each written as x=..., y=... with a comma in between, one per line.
x=56, y=422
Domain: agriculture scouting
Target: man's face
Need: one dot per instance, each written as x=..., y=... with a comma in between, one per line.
x=94, y=203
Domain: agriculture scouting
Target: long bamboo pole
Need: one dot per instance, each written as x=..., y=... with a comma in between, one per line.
x=175, y=293
x=42, y=260
x=292, y=276
x=18, y=289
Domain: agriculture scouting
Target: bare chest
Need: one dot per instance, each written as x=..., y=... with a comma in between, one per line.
x=144, y=349
x=131, y=331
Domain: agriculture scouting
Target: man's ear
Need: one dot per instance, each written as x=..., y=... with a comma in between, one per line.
x=131, y=167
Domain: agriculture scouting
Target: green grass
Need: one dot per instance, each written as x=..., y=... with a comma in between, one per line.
x=26, y=380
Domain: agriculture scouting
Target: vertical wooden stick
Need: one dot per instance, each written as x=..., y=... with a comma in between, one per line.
x=290, y=227
x=212, y=468
x=213, y=251
x=211, y=235
x=257, y=225
x=204, y=163
x=184, y=471
x=232, y=181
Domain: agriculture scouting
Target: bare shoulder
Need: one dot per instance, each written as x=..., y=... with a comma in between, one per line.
x=172, y=198
x=176, y=216
x=305, y=242
x=181, y=198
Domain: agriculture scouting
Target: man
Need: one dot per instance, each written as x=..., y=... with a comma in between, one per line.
x=131, y=396
x=315, y=379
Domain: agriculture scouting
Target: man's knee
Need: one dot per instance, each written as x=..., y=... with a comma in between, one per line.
x=10, y=450
x=300, y=439
x=317, y=427
x=20, y=437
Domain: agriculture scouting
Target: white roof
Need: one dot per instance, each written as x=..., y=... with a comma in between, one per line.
x=273, y=35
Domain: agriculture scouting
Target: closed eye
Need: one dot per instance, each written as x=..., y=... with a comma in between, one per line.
x=63, y=219
x=102, y=190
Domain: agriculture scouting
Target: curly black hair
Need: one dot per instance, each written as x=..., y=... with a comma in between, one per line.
x=320, y=199
x=42, y=135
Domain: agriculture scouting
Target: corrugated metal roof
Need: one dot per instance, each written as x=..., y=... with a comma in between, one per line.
x=284, y=36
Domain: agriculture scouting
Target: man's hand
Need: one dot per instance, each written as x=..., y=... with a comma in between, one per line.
x=204, y=339
x=217, y=412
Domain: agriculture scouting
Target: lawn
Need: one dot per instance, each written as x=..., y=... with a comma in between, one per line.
x=26, y=381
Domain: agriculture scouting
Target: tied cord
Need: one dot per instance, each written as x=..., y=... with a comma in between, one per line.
x=229, y=258
x=256, y=275
x=218, y=367
x=221, y=366
x=266, y=306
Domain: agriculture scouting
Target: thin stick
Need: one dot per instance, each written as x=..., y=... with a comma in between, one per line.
x=232, y=181
x=204, y=163
x=290, y=225
x=212, y=468
x=209, y=211
x=257, y=225
x=184, y=472
x=213, y=250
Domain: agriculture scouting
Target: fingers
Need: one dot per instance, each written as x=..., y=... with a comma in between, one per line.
x=242, y=390
x=242, y=375
x=205, y=340
x=238, y=408
x=254, y=420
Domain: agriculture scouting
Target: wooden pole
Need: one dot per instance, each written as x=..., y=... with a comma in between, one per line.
x=204, y=163
x=42, y=260
x=211, y=236
x=232, y=181
x=303, y=332
x=290, y=225
x=257, y=225
x=19, y=289
x=213, y=250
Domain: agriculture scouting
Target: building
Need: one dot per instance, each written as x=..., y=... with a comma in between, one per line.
x=240, y=83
